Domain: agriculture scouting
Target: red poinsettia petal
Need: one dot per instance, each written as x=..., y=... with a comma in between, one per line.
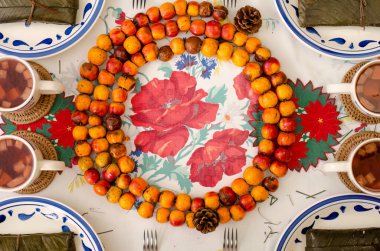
x=208, y=175
x=235, y=160
x=299, y=151
x=61, y=128
x=320, y=120
x=243, y=88
x=164, y=144
x=232, y=136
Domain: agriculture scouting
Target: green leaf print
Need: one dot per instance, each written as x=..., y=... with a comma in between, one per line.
x=8, y=127
x=217, y=94
x=317, y=151
x=150, y=162
x=167, y=69
x=306, y=94
x=61, y=103
x=44, y=130
x=65, y=154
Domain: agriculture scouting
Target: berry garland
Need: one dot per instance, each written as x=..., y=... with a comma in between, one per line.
x=133, y=45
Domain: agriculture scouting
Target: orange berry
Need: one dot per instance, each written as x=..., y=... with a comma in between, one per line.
x=253, y=176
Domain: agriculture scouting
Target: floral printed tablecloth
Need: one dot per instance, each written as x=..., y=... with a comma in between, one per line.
x=208, y=150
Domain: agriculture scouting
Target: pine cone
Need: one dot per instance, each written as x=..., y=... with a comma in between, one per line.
x=206, y=220
x=248, y=19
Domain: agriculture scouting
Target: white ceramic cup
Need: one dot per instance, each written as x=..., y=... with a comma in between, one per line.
x=346, y=167
x=38, y=86
x=350, y=88
x=39, y=164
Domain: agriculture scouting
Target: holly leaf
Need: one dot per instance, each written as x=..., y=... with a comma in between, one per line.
x=61, y=102
x=65, y=154
x=307, y=93
x=317, y=151
x=8, y=127
x=217, y=94
x=44, y=130
x=167, y=69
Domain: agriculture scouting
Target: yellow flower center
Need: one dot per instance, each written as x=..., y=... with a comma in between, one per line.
x=320, y=120
x=227, y=117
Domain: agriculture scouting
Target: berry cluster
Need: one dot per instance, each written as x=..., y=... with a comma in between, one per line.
x=99, y=107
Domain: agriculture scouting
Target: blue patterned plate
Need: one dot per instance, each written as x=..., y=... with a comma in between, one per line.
x=351, y=43
x=338, y=212
x=26, y=215
x=41, y=40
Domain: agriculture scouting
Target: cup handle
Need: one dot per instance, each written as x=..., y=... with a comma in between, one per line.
x=336, y=167
x=343, y=88
x=49, y=87
x=51, y=165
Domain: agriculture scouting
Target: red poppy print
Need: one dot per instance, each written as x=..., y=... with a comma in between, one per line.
x=320, y=120
x=169, y=106
x=121, y=18
x=221, y=154
x=243, y=88
x=61, y=129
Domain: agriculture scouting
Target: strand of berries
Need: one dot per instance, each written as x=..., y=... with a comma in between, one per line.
x=133, y=46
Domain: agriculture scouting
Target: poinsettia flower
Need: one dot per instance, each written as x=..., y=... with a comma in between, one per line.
x=61, y=128
x=320, y=120
x=221, y=154
x=170, y=105
x=243, y=88
x=32, y=126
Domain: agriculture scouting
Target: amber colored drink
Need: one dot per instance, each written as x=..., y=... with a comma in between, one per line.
x=16, y=83
x=368, y=88
x=366, y=166
x=16, y=163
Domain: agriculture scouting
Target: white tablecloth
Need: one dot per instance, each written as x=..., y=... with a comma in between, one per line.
x=261, y=229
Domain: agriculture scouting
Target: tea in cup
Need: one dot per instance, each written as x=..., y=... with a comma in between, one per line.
x=21, y=163
x=21, y=86
x=362, y=166
x=364, y=89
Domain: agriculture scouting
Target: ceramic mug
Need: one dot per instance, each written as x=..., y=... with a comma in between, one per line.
x=38, y=86
x=38, y=163
x=350, y=88
x=346, y=167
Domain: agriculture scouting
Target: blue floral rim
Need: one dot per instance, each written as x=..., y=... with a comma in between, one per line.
x=307, y=212
x=339, y=55
x=62, y=207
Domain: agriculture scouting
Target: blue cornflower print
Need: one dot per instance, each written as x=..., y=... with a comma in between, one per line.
x=209, y=64
x=186, y=60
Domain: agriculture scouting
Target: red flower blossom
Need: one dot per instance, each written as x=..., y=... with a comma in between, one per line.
x=167, y=106
x=121, y=18
x=298, y=150
x=167, y=143
x=320, y=120
x=222, y=153
x=243, y=88
x=61, y=129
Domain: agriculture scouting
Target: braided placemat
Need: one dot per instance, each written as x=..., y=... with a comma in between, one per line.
x=48, y=151
x=344, y=151
x=39, y=110
x=349, y=106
